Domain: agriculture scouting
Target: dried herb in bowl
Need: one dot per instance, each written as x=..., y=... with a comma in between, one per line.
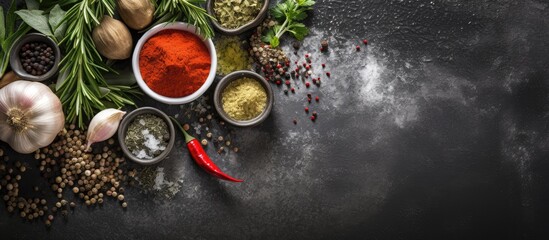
x=147, y=136
x=236, y=13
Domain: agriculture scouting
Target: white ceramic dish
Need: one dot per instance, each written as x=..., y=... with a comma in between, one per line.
x=177, y=26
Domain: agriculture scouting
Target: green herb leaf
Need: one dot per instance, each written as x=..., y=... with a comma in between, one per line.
x=298, y=30
x=32, y=4
x=305, y=3
x=10, y=18
x=104, y=91
x=268, y=36
x=274, y=42
x=36, y=19
x=56, y=22
x=289, y=13
x=278, y=13
x=2, y=25
x=300, y=16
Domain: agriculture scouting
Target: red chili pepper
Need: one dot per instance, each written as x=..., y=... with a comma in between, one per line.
x=201, y=158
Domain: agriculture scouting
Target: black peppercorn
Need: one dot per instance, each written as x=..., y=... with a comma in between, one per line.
x=36, y=58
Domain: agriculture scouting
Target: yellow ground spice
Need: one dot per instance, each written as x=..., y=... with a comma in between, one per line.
x=231, y=56
x=244, y=99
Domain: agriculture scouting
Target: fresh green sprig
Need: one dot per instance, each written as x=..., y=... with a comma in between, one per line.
x=82, y=87
x=290, y=13
x=187, y=10
x=9, y=34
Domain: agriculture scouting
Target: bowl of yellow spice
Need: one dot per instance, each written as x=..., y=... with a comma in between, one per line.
x=243, y=98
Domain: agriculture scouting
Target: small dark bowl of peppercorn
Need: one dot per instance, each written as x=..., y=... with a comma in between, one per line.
x=242, y=28
x=35, y=57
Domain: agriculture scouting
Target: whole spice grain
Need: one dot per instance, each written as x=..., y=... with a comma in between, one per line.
x=37, y=58
x=236, y=13
x=268, y=57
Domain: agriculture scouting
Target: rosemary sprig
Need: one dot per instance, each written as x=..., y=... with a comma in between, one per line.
x=82, y=67
x=187, y=10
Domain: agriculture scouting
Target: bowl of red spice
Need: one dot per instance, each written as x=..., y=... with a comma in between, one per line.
x=173, y=63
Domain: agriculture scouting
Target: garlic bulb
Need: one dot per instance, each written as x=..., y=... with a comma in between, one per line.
x=31, y=116
x=103, y=126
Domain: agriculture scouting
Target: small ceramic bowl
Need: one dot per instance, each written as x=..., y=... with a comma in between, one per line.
x=235, y=76
x=15, y=61
x=236, y=31
x=137, y=72
x=128, y=119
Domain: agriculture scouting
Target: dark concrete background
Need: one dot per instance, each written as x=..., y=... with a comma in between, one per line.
x=436, y=130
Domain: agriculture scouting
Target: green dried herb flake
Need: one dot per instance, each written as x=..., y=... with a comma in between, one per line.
x=147, y=136
x=235, y=13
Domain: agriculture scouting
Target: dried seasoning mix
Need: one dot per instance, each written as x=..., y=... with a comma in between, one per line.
x=236, y=13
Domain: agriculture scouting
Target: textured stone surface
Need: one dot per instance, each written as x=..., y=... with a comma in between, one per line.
x=437, y=129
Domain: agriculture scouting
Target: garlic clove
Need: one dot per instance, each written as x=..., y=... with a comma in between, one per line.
x=103, y=126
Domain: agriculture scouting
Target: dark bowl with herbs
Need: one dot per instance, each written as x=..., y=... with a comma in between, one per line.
x=236, y=16
x=35, y=57
x=146, y=135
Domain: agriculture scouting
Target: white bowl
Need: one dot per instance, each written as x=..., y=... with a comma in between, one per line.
x=137, y=72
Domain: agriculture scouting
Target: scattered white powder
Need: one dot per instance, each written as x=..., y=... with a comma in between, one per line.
x=141, y=154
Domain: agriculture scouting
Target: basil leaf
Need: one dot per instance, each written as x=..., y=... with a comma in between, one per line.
x=32, y=4
x=36, y=20
x=56, y=22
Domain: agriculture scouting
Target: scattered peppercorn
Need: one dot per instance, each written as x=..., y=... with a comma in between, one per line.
x=365, y=41
x=324, y=44
x=317, y=98
x=357, y=48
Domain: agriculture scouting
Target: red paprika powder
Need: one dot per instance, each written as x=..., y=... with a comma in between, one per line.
x=174, y=63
